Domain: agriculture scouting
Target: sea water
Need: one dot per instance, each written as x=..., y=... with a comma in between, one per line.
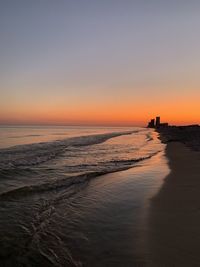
x=66, y=197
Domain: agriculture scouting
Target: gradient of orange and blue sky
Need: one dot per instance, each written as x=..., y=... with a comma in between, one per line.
x=101, y=62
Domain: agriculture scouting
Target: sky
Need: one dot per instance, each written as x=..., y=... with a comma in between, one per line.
x=102, y=62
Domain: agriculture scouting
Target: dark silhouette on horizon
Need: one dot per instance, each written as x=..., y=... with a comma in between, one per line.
x=158, y=123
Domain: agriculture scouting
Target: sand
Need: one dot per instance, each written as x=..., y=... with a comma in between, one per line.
x=174, y=221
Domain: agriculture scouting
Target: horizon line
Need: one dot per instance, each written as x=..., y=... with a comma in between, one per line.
x=69, y=125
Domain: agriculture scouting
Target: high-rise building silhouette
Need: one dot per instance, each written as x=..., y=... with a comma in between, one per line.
x=157, y=121
x=151, y=123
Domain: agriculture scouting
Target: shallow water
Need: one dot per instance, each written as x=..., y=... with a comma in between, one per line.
x=67, y=202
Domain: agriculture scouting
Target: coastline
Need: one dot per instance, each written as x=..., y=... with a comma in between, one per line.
x=116, y=225
x=174, y=219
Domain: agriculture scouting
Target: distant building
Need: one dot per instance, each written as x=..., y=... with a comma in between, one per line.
x=158, y=124
x=151, y=124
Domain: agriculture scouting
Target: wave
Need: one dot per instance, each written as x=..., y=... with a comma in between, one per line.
x=74, y=180
x=22, y=136
x=149, y=137
x=33, y=154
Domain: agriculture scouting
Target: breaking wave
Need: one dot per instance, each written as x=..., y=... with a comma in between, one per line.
x=66, y=182
x=34, y=154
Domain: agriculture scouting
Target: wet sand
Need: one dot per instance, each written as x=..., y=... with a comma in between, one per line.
x=111, y=214
x=174, y=222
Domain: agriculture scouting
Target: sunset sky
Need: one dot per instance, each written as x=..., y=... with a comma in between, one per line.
x=99, y=62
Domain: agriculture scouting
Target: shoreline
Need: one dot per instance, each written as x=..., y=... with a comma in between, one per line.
x=174, y=218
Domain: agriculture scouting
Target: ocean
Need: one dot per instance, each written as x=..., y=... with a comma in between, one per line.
x=77, y=196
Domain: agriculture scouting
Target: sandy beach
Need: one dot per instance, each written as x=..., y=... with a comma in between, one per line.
x=174, y=233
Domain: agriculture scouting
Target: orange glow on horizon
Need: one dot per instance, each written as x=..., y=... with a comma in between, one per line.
x=107, y=114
